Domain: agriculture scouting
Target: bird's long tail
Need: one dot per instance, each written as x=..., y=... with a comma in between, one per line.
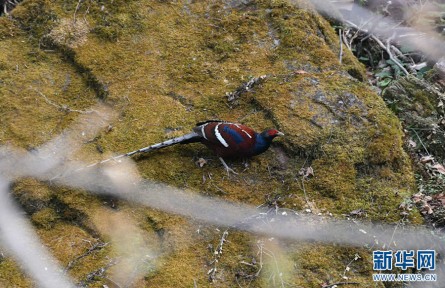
x=185, y=139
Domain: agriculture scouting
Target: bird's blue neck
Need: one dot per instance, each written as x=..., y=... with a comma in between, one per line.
x=261, y=144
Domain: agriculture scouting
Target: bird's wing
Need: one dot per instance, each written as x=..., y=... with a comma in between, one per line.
x=209, y=121
x=226, y=134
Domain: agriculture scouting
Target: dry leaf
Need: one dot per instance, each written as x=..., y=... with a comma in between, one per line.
x=306, y=172
x=426, y=209
x=416, y=199
x=411, y=143
x=439, y=168
x=430, y=210
x=440, y=197
x=309, y=172
x=201, y=162
x=357, y=212
x=426, y=159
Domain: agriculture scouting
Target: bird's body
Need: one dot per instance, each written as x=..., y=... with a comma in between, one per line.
x=231, y=140
x=225, y=139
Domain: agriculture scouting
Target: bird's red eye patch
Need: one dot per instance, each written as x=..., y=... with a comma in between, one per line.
x=272, y=132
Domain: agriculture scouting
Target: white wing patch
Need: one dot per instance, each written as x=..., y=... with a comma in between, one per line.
x=245, y=132
x=203, y=132
x=219, y=137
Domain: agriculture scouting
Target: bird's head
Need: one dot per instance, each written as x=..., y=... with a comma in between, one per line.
x=270, y=134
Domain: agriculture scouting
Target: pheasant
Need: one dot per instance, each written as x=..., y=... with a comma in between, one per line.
x=226, y=139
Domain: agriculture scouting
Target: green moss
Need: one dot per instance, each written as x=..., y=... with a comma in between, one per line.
x=7, y=28
x=314, y=264
x=168, y=65
x=12, y=276
x=67, y=242
x=424, y=99
x=35, y=16
x=386, y=142
x=334, y=179
x=109, y=32
x=45, y=218
x=412, y=95
x=112, y=20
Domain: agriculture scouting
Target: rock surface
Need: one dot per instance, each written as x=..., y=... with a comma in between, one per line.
x=164, y=65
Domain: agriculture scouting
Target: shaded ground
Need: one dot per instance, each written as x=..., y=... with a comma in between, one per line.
x=164, y=66
x=411, y=81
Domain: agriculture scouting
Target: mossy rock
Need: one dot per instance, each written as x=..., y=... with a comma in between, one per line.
x=7, y=28
x=35, y=16
x=420, y=108
x=169, y=66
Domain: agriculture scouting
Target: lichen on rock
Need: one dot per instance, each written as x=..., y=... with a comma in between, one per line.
x=165, y=65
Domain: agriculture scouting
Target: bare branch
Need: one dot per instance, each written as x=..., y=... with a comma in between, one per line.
x=63, y=108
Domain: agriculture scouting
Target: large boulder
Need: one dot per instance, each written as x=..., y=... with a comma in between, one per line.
x=165, y=65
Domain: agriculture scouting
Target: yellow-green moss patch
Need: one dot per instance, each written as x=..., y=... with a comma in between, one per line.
x=165, y=66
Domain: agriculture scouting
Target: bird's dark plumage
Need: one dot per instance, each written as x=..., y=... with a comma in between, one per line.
x=234, y=140
x=226, y=139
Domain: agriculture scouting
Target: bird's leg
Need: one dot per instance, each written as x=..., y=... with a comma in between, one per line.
x=246, y=164
x=228, y=169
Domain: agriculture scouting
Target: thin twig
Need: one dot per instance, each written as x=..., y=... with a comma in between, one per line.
x=99, y=273
x=400, y=54
x=5, y=9
x=394, y=232
x=352, y=24
x=387, y=47
x=96, y=246
x=272, y=255
x=245, y=87
x=85, y=14
x=341, y=45
x=217, y=255
x=260, y=248
x=340, y=283
x=347, y=268
x=345, y=40
x=388, y=50
x=75, y=10
x=305, y=194
x=63, y=108
x=392, y=57
x=420, y=139
x=404, y=58
x=371, y=60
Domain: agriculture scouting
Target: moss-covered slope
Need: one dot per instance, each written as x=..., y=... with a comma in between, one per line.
x=164, y=65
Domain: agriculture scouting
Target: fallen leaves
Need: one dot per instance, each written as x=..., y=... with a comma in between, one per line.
x=430, y=200
x=439, y=168
x=300, y=72
x=306, y=172
x=432, y=165
x=426, y=159
x=440, y=198
x=427, y=204
x=201, y=162
x=357, y=213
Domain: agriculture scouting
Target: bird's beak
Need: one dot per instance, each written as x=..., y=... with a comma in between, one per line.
x=280, y=133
